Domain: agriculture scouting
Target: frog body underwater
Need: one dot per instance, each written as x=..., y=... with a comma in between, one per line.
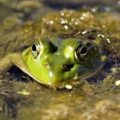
x=55, y=61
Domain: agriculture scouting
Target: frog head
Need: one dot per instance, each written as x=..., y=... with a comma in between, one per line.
x=56, y=60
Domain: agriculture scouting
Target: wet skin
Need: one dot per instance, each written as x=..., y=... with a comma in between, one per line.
x=52, y=61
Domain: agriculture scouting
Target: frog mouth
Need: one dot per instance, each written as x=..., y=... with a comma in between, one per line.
x=67, y=68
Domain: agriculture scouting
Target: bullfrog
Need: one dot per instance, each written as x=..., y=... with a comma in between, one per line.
x=64, y=49
x=57, y=61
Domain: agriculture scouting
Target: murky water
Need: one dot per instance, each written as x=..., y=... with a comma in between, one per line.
x=21, y=98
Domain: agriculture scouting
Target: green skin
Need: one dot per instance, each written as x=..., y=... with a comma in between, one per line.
x=55, y=61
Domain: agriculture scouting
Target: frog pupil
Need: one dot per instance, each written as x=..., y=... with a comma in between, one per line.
x=34, y=47
x=83, y=50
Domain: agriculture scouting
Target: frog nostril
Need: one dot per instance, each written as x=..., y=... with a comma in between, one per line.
x=67, y=67
x=54, y=49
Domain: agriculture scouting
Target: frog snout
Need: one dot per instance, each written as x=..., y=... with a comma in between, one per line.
x=67, y=66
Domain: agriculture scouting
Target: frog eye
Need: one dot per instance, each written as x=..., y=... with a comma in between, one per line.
x=80, y=51
x=35, y=50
